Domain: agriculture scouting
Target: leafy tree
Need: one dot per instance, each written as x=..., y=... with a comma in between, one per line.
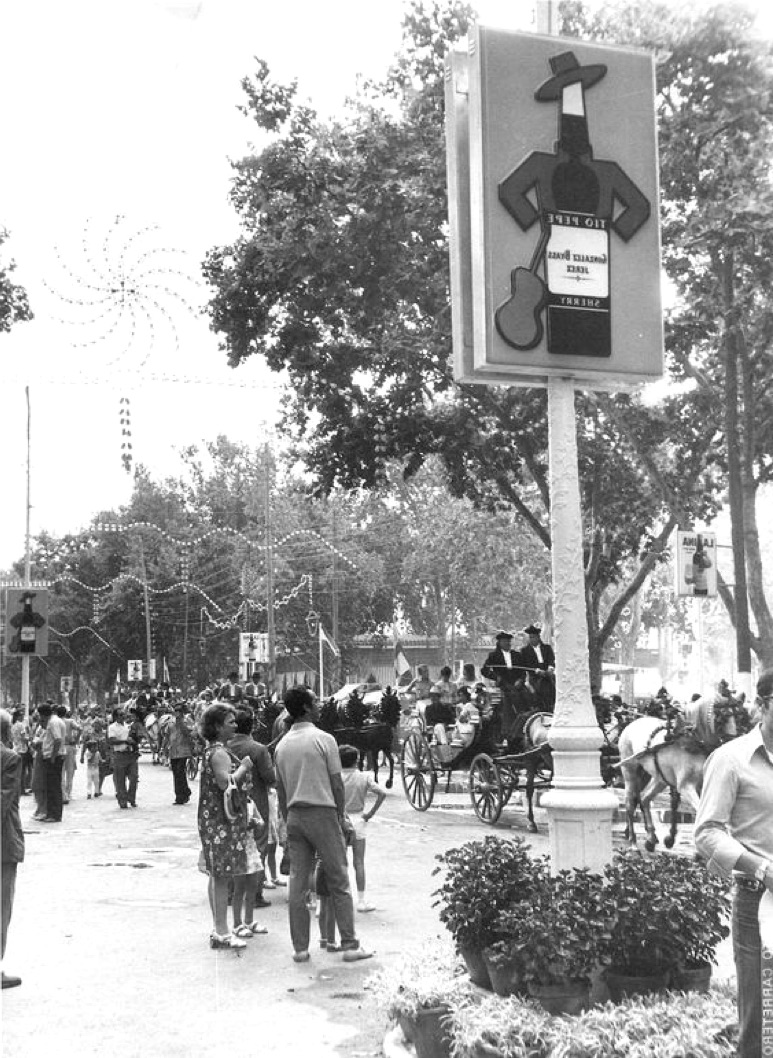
x=14, y=304
x=340, y=279
x=715, y=116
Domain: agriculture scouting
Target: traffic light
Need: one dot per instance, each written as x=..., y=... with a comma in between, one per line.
x=26, y=621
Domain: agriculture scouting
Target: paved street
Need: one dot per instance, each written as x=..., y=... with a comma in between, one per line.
x=111, y=925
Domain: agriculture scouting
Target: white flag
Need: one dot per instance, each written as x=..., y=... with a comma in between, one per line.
x=325, y=638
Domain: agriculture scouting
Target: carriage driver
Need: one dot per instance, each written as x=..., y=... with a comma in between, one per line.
x=502, y=667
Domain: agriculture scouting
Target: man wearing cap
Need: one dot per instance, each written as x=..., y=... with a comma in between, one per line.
x=538, y=658
x=503, y=667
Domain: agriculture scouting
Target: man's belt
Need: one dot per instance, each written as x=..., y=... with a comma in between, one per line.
x=750, y=884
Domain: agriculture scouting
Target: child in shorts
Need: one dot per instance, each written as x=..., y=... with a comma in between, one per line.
x=357, y=786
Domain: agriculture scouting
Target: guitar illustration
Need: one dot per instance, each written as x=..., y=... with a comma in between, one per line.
x=519, y=319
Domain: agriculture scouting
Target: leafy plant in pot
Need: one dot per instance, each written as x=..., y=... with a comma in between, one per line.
x=481, y=880
x=699, y=921
x=419, y=994
x=639, y=896
x=556, y=938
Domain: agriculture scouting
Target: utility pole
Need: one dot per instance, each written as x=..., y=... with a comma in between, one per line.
x=25, y=661
x=336, y=661
x=271, y=674
x=148, y=637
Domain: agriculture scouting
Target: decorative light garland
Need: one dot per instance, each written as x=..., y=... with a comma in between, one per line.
x=230, y=622
x=84, y=628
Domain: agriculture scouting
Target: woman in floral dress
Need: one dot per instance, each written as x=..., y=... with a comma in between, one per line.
x=228, y=846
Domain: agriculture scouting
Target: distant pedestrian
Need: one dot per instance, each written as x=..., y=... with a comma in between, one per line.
x=181, y=733
x=20, y=738
x=312, y=800
x=275, y=840
x=71, y=738
x=357, y=785
x=52, y=750
x=228, y=848
x=11, y=833
x=93, y=759
x=231, y=691
x=38, y=778
x=125, y=759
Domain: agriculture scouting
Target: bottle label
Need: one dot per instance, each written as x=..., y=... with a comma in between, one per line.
x=577, y=274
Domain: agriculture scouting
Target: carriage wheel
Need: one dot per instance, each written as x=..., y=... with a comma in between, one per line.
x=418, y=772
x=486, y=789
x=509, y=778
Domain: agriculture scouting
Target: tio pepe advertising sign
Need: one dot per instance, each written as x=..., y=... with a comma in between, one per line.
x=553, y=210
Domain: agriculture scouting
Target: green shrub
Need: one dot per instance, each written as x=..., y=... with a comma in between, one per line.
x=558, y=932
x=428, y=978
x=690, y=1025
x=481, y=880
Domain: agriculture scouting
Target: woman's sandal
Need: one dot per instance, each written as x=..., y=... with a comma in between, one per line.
x=255, y=927
x=227, y=940
x=243, y=930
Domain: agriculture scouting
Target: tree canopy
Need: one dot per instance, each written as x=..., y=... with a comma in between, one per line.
x=14, y=304
x=340, y=278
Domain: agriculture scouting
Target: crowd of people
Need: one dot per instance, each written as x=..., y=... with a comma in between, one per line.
x=291, y=804
x=269, y=816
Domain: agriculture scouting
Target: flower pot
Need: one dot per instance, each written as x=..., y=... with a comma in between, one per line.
x=571, y=997
x=621, y=985
x=476, y=967
x=505, y=975
x=692, y=978
x=407, y=1027
x=431, y=1038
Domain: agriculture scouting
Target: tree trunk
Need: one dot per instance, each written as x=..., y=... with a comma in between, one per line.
x=735, y=493
x=763, y=642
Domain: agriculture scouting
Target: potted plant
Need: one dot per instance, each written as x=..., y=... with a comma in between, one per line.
x=556, y=938
x=419, y=995
x=698, y=923
x=481, y=880
x=638, y=950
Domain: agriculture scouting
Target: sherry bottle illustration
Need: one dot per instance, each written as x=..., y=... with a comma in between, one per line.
x=26, y=623
x=580, y=200
x=700, y=563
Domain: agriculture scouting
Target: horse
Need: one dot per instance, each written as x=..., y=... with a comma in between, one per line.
x=349, y=723
x=156, y=733
x=656, y=755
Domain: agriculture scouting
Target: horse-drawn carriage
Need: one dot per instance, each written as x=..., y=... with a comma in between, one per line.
x=494, y=770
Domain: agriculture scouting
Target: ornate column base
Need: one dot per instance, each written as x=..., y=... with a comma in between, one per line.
x=580, y=811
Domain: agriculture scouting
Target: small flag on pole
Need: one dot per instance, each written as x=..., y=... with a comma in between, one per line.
x=325, y=638
x=402, y=665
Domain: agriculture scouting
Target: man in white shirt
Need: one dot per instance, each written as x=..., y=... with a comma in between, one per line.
x=53, y=751
x=733, y=831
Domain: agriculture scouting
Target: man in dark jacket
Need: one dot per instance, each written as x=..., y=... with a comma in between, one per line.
x=11, y=833
x=503, y=667
x=539, y=662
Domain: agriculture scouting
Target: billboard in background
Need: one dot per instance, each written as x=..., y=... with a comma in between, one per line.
x=26, y=622
x=696, y=563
